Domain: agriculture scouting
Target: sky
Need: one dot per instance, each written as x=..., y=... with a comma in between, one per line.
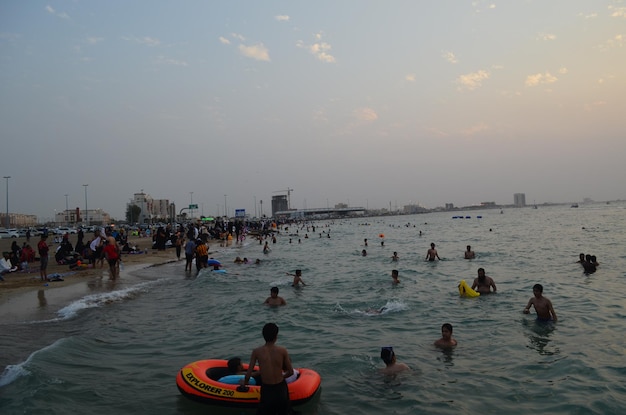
x=363, y=102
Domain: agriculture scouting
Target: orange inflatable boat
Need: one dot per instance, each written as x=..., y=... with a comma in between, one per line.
x=200, y=381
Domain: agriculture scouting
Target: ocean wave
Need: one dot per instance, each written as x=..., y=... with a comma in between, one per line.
x=101, y=299
x=13, y=372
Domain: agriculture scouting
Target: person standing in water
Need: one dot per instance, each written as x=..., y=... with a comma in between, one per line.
x=446, y=339
x=297, y=278
x=469, y=254
x=275, y=367
x=543, y=306
x=432, y=254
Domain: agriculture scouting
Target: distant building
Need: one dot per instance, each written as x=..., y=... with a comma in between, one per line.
x=76, y=216
x=519, y=199
x=449, y=206
x=152, y=210
x=18, y=220
x=413, y=209
x=488, y=204
x=279, y=204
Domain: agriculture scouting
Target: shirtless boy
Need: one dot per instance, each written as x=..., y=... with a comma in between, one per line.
x=274, y=299
x=297, y=278
x=543, y=306
x=432, y=253
x=394, y=276
x=392, y=366
x=446, y=339
x=275, y=367
x=469, y=254
x=483, y=283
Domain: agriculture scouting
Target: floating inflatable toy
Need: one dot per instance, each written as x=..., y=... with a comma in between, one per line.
x=466, y=291
x=381, y=235
x=200, y=381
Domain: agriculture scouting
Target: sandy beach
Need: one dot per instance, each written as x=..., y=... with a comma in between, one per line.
x=24, y=295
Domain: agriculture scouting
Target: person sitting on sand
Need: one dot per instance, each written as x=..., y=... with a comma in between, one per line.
x=392, y=367
x=446, y=339
x=5, y=265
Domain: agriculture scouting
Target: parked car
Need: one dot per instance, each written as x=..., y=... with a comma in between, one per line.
x=8, y=233
x=62, y=230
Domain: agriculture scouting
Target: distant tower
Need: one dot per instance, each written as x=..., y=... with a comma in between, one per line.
x=279, y=204
x=519, y=199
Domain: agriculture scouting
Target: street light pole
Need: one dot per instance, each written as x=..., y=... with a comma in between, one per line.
x=8, y=221
x=67, y=213
x=225, y=209
x=86, y=211
x=191, y=203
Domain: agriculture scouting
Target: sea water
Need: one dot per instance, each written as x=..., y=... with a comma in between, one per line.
x=118, y=348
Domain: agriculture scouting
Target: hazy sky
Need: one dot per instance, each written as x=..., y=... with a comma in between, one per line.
x=355, y=101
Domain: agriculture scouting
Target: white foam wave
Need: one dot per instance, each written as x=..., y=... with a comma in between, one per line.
x=101, y=299
x=13, y=372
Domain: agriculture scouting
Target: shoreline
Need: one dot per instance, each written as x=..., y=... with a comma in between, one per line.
x=25, y=297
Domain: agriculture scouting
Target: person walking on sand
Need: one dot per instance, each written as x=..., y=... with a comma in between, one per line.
x=43, y=249
x=111, y=252
x=432, y=254
x=543, y=306
x=275, y=367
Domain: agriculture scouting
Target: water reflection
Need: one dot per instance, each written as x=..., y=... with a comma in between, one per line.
x=41, y=296
x=539, y=337
x=447, y=355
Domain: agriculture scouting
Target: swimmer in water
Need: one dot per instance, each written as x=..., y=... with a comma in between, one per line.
x=446, y=339
x=392, y=367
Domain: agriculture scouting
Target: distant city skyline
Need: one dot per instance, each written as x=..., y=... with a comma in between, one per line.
x=366, y=102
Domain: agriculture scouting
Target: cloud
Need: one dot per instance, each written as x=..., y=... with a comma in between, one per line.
x=475, y=129
x=146, y=40
x=258, y=52
x=546, y=36
x=319, y=49
x=618, y=11
x=616, y=42
x=588, y=16
x=282, y=18
x=473, y=80
x=410, y=77
x=449, y=56
x=224, y=41
x=162, y=60
x=94, y=40
x=61, y=15
x=238, y=36
x=540, y=79
x=365, y=114
x=563, y=71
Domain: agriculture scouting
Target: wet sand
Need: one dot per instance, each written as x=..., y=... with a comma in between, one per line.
x=24, y=296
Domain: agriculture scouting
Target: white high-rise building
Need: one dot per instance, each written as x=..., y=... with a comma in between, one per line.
x=519, y=199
